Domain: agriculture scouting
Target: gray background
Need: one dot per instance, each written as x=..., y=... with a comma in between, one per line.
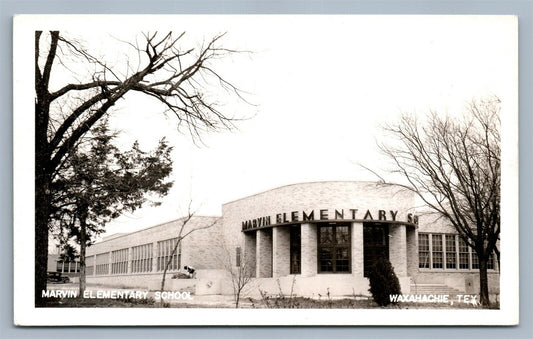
x=522, y=8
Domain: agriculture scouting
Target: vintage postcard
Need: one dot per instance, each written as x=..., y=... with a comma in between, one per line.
x=265, y=170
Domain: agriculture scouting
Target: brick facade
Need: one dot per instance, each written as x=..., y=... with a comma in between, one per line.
x=202, y=249
x=357, y=249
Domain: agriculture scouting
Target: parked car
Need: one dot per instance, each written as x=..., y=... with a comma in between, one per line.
x=57, y=277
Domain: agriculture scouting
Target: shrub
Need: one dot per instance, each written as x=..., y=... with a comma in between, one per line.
x=383, y=282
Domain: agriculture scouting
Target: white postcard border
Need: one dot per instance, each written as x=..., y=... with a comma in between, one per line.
x=27, y=314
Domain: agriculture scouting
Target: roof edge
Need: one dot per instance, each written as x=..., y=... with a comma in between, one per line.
x=311, y=182
x=157, y=225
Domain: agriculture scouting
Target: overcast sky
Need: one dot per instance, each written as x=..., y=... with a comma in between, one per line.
x=321, y=86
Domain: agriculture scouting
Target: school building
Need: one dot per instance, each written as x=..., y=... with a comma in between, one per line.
x=309, y=238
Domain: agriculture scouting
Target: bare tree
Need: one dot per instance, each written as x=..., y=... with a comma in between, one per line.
x=176, y=77
x=241, y=271
x=454, y=167
x=183, y=234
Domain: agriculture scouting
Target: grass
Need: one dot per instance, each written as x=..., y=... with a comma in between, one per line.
x=271, y=302
x=350, y=303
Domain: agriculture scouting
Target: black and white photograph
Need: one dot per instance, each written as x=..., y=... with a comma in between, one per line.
x=265, y=170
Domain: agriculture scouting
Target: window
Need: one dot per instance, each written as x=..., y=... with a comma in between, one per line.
x=423, y=251
x=436, y=242
x=463, y=255
x=141, y=258
x=102, y=263
x=334, y=248
x=475, y=261
x=451, y=257
x=164, y=250
x=490, y=263
x=73, y=267
x=454, y=251
x=67, y=266
x=119, y=261
x=89, y=270
x=296, y=250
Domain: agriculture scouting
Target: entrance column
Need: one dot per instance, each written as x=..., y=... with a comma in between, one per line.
x=281, y=251
x=357, y=249
x=309, y=250
x=263, y=254
x=398, y=249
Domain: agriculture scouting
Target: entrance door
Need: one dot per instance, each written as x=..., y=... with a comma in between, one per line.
x=296, y=250
x=376, y=244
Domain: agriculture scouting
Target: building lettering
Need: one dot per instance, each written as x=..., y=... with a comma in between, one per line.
x=323, y=214
x=255, y=223
x=368, y=215
x=310, y=216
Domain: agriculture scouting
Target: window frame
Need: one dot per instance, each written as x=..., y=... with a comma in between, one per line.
x=437, y=248
x=142, y=258
x=427, y=252
x=334, y=247
x=102, y=268
x=164, y=249
x=120, y=261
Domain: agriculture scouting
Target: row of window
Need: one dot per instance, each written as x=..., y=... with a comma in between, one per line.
x=164, y=253
x=119, y=261
x=447, y=251
x=138, y=259
x=68, y=266
x=102, y=263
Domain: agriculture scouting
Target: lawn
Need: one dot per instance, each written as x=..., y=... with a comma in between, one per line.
x=265, y=302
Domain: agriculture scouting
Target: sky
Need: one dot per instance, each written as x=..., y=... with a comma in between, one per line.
x=321, y=88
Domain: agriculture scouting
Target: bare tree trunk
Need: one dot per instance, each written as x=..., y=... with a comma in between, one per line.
x=164, y=278
x=42, y=171
x=41, y=242
x=167, y=264
x=483, y=282
x=83, y=245
x=42, y=214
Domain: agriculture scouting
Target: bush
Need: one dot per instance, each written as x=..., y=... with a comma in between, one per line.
x=383, y=282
